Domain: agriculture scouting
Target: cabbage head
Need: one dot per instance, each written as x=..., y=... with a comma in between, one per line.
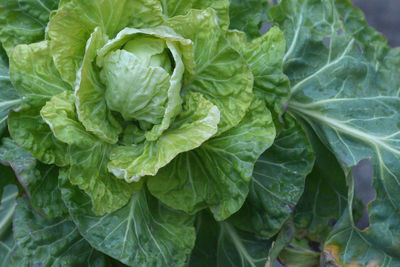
x=127, y=93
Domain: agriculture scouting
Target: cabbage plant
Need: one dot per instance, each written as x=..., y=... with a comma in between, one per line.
x=183, y=133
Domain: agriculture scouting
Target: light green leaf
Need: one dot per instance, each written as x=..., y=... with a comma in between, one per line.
x=194, y=125
x=221, y=244
x=172, y=8
x=74, y=22
x=248, y=16
x=278, y=182
x=40, y=181
x=346, y=88
x=34, y=75
x=264, y=56
x=217, y=174
x=142, y=233
x=8, y=96
x=89, y=92
x=7, y=208
x=30, y=132
x=24, y=21
x=221, y=74
x=88, y=156
x=54, y=242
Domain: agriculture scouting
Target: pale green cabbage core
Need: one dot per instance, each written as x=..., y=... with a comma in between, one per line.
x=137, y=78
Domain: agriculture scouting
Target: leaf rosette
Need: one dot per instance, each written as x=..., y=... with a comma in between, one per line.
x=122, y=92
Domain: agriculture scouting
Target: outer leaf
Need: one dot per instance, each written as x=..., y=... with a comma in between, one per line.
x=36, y=80
x=174, y=8
x=193, y=126
x=221, y=74
x=264, y=56
x=34, y=75
x=142, y=233
x=217, y=174
x=55, y=242
x=39, y=181
x=355, y=114
x=88, y=156
x=89, y=92
x=24, y=21
x=325, y=195
x=221, y=244
x=7, y=209
x=29, y=131
x=8, y=97
x=248, y=16
x=71, y=26
x=278, y=182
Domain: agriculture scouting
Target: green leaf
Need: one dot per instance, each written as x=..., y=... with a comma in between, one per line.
x=221, y=74
x=142, y=233
x=299, y=254
x=54, y=242
x=278, y=182
x=217, y=174
x=75, y=21
x=89, y=92
x=24, y=21
x=7, y=208
x=172, y=8
x=88, y=156
x=264, y=56
x=248, y=16
x=40, y=181
x=325, y=195
x=8, y=97
x=34, y=75
x=193, y=126
x=344, y=86
x=30, y=132
x=221, y=244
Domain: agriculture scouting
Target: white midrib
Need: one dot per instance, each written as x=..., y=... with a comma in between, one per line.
x=345, y=128
x=10, y=103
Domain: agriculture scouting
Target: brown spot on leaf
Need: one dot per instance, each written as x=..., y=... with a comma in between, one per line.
x=330, y=256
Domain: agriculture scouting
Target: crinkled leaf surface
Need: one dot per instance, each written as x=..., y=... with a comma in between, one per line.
x=172, y=8
x=34, y=74
x=24, y=21
x=8, y=96
x=248, y=16
x=193, y=126
x=29, y=131
x=217, y=174
x=344, y=87
x=221, y=74
x=54, y=242
x=222, y=244
x=277, y=183
x=40, y=181
x=36, y=80
x=88, y=156
x=264, y=56
x=142, y=233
